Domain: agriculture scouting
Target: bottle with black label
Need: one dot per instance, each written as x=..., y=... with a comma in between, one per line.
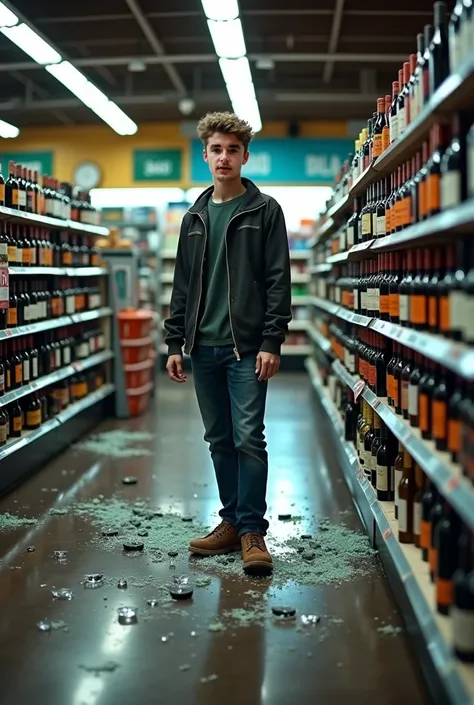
x=446, y=540
x=385, y=460
x=398, y=473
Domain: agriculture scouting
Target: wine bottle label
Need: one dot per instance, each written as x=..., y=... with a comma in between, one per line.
x=19, y=256
x=83, y=351
x=26, y=371
x=393, y=128
x=374, y=225
x=401, y=121
x=33, y=417
x=423, y=406
x=404, y=308
x=377, y=145
x=405, y=394
x=26, y=314
x=440, y=421
x=407, y=210
x=397, y=479
x=3, y=433
x=57, y=358
x=67, y=355
x=12, y=254
x=17, y=425
x=418, y=309
x=394, y=305
x=15, y=198
x=450, y=189
x=376, y=300
x=433, y=312
x=356, y=299
x=463, y=629
x=382, y=481
x=2, y=382
x=444, y=314
x=416, y=518
x=385, y=138
x=18, y=373
x=350, y=362
x=380, y=225
x=35, y=367
x=22, y=199
x=350, y=236
x=444, y=592
x=457, y=309
x=434, y=199
x=402, y=515
x=366, y=224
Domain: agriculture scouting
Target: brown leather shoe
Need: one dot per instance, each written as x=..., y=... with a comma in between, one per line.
x=223, y=539
x=255, y=554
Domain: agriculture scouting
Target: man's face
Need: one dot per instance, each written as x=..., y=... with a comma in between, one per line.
x=225, y=155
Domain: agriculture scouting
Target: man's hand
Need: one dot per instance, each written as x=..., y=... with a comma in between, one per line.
x=174, y=367
x=267, y=365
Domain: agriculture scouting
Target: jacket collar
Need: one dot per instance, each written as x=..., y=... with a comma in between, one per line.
x=252, y=199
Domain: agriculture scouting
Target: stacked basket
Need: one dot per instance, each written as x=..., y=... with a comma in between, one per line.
x=138, y=357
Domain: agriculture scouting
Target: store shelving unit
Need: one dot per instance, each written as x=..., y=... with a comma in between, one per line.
x=34, y=449
x=449, y=680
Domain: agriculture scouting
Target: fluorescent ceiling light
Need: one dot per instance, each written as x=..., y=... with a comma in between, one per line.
x=236, y=71
x=91, y=96
x=7, y=130
x=248, y=110
x=228, y=38
x=220, y=9
x=7, y=17
x=32, y=44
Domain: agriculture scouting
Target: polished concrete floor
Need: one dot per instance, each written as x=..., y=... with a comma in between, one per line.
x=345, y=658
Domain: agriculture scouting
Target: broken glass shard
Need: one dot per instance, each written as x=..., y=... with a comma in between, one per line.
x=186, y=518
x=93, y=580
x=129, y=480
x=310, y=619
x=284, y=517
x=283, y=611
x=306, y=536
x=181, y=592
x=164, y=639
x=138, y=511
x=135, y=522
x=30, y=549
x=172, y=554
x=122, y=584
x=60, y=555
x=62, y=593
x=131, y=545
x=44, y=625
x=153, y=602
x=142, y=533
x=127, y=615
x=109, y=531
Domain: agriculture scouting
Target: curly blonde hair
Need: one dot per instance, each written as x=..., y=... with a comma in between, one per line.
x=228, y=123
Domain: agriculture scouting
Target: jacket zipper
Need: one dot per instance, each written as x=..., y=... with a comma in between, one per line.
x=237, y=215
x=200, y=282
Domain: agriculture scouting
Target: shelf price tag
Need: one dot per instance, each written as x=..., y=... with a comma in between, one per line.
x=358, y=388
x=451, y=484
x=387, y=533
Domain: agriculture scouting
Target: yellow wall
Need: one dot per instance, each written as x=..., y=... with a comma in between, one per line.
x=113, y=153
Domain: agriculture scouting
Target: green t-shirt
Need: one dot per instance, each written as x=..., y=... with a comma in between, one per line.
x=214, y=328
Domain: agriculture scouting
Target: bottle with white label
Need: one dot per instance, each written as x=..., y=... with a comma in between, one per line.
x=406, y=493
x=457, y=299
x=462, y=611
x=453, y=168
x=393, y=112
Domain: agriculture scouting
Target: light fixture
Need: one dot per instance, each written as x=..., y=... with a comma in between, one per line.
x=7, y=17
x=91, y=96
x=236, y=71
x=8, y=131
x=248, y=110
x=220, y=9
x=32, y=44
x=228, y=38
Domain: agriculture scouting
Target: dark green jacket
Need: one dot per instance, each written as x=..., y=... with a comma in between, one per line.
x=258, y=270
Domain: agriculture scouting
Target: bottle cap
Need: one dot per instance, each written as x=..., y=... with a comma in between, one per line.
x=406, y=72
x=395, y=89
x=412, y=63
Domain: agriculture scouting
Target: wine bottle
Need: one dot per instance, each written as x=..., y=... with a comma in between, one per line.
x=398, y=475
x=446, y=540
x=417, y=498
x=436, y=514
x=406, y=493
x=439, y=48
x=462, y=612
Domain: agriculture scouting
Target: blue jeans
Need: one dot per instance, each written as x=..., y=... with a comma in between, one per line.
x=232, y=405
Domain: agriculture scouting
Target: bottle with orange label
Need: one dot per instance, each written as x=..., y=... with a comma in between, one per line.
x=423, y=184
x=16, y=420
x=454, y=421
x=33, y=413
x=380, y=123
x=438, y=144
x=440, y=410
x=446, y=540
x=425, y=395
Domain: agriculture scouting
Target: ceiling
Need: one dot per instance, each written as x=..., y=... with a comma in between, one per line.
x=326, y=63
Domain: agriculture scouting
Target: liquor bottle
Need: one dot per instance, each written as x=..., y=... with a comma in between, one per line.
x=444, y=288
x=12, y=319
x=2, y=188
x=413, y=392
x=2, y=371
x=393, y=113
x=418, y=290
x=376, y=443
x=417, y=497
x=380, y=210
x=406, y=496
x=12, y=188
x=380, y=123
x=436, y=514
x=446, y=540
x=397, y=381
x=393, y=288
x=351, y=412
x=386, y=128
x=454, y=33
x=405, y=383
x=384, y=288
x=432, y=292
x=16, y=425
x=21, y=188
x=428, y=32
x=438, y=143
x=440, y=410
x=368, y=440
x=34, y=358
x=4, y=426
x=439, y=48
x=33, y=412
x=17, y=366
x=418, y=78
x=425, y=396
x=385, y=460
x=430, y=495
x=462, y=611
x=453, y=167
x=468, y=287
x=390, y=378
x=458, y=303
x=411, y=86
x=398, y=472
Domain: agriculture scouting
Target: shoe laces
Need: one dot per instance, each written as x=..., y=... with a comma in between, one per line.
x=254, y=541
x=221, y=529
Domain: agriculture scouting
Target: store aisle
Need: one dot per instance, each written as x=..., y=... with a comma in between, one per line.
x=90, y=659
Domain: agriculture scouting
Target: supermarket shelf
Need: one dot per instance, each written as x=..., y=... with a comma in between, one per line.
x=300, y=300
x=341, y=207
x=296, y=350
x=59, y=271
x=300, y=277
x=72, y=410
x=454, y=94
x=324, y=305
x=338, y=257
x=319, y=339
x=299, y=254
x=299, y=325
x=363, y=181
x=457, y=357
x=403, y=561
x=54, y=377
x=35, y=327
x=167, y=254
x=326, y=229
x=165, y=300
x=45, y=221
x=459, y=219
x=320, y=268
x=103, y=312
x=438, y=466
x=351, y=317
x=167, y=277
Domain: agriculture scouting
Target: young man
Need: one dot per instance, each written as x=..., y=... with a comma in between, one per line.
x=230, y=308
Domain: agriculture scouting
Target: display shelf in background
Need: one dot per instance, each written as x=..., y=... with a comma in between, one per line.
x=320, y=268
x=23, y=218
x=59, y=271
x=319, y=340
x=403, y=561
x=299, y=254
